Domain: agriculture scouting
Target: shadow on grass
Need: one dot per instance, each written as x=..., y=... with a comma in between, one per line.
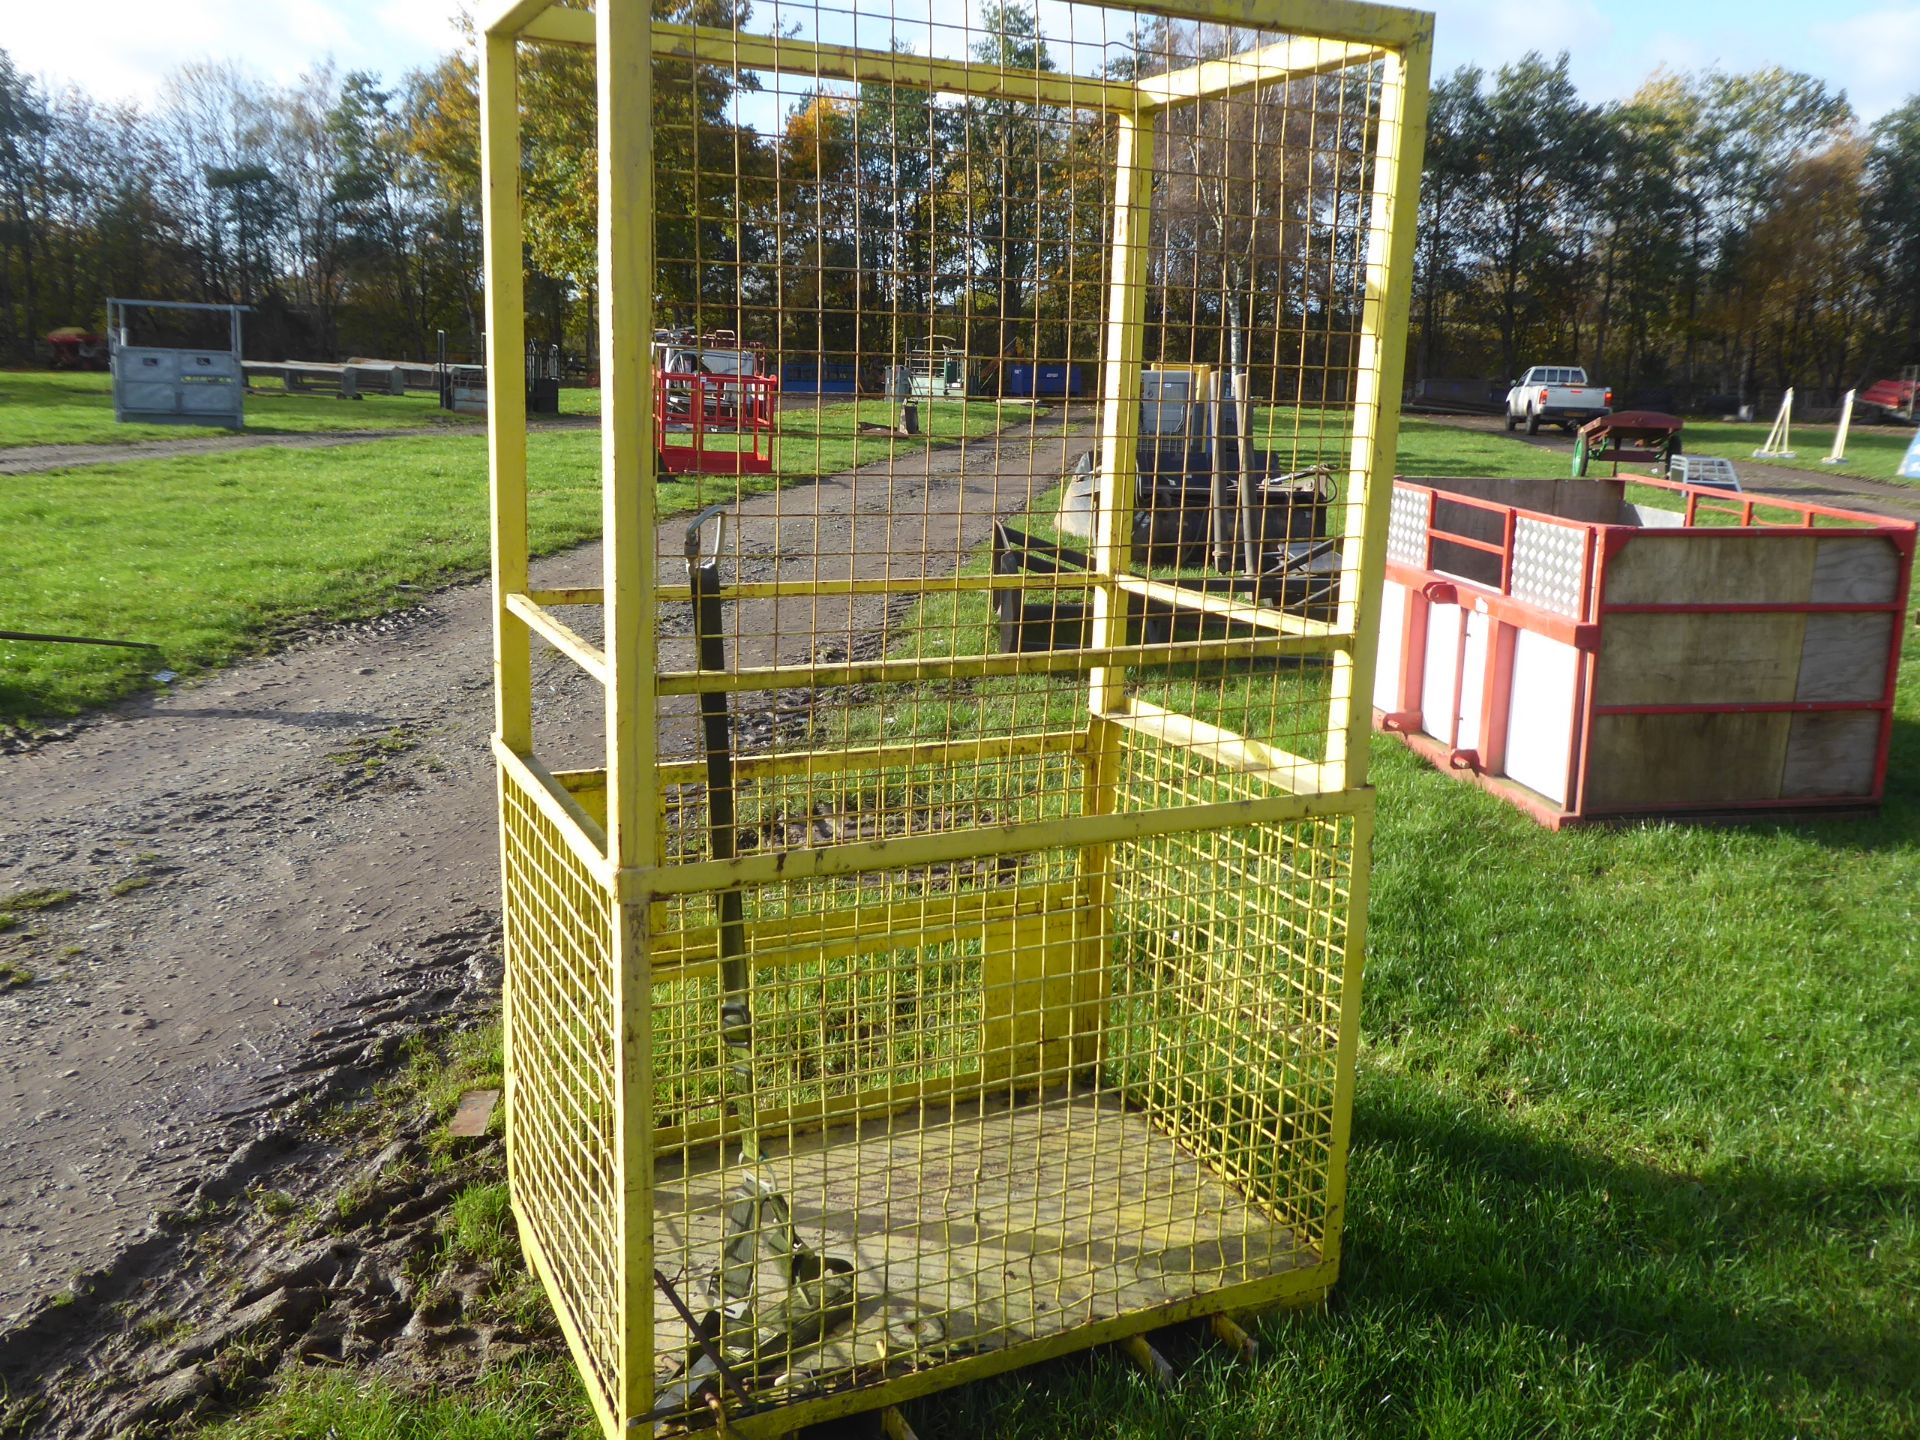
x=1484, y=1226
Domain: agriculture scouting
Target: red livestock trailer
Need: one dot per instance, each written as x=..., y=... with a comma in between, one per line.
x=1597, y=650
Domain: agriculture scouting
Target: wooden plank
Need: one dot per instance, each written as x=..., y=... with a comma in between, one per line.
x=1229, y=1332
x=1845, y=656
x=1152, y=1363
x=1855, y=570
x=1676, y=567
x=1831, y=754
x=1699, y=659
x=1636, y=761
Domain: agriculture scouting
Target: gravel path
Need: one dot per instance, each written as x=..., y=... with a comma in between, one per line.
x=249, y=853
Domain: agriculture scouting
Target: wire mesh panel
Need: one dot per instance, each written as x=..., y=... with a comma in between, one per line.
x=955, y=961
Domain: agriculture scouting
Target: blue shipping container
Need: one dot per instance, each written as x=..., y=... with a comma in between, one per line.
x=1026, y=378
x=805, y=377
x=1059, y=380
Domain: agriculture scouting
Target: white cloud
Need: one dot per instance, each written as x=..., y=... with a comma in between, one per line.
x=1873, y=55
x=123, y=49
x=1492, y=33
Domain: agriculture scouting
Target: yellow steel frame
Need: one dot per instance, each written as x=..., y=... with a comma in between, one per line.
x=599, y=834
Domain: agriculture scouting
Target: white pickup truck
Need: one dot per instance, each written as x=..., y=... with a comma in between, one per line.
x=1556, y=395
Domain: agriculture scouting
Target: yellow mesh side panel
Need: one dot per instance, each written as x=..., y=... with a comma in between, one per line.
x=560, y=1027
x=1227, y=992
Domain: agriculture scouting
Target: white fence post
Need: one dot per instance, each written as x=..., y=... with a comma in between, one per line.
x=1838, y=455
x=1780, y=437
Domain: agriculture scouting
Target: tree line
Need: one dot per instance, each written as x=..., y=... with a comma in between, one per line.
x=1713, y=235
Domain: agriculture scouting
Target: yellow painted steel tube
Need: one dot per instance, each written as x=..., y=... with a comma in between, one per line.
x=1399, y=151
x=624, y=72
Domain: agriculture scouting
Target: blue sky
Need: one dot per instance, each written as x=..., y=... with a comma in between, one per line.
x=1871, y=48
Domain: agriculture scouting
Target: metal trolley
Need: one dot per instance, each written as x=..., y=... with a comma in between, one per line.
x=890, y=1010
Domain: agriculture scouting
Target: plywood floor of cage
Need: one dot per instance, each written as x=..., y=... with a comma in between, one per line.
x=970, y=1226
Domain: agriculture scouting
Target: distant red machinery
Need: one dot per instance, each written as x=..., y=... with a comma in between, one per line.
x=1895, y=398
x=691, y=407
x=1628, y=435
x=77, y=349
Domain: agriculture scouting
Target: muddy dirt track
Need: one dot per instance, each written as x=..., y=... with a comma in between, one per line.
x=259, y=856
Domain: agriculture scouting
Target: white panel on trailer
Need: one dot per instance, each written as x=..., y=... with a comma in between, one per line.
x=1473, y=686
x=1651, y=517
x=1540, y=717
x=1386, y=670
x=1443, y=658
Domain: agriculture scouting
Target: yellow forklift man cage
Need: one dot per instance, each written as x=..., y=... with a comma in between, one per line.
x=955, y=959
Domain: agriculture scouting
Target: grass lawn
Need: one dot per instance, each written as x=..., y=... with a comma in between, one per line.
x=1634, y=1155
x=1636, y=1146
x=212, y=556
x=1874, y=452
x=64, y=407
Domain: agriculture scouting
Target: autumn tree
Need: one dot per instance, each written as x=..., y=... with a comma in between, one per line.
x=1004, y=147
x=24, y=127
x=819, y=275
x=1449, y=195
x=1893, y=232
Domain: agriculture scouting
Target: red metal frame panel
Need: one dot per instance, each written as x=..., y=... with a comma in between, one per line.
x=749, y=412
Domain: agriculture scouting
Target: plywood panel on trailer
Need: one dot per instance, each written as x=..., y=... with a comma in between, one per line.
x=1464, y=561
x=978, y=1226
x=1597, y=502
x=1651, y=517
x=1699, y=659
x=1647, y=761
x=1834, y=753
x=1540, y=714
x=1845, y=656
x=1673, y=567
x=1855, y=570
